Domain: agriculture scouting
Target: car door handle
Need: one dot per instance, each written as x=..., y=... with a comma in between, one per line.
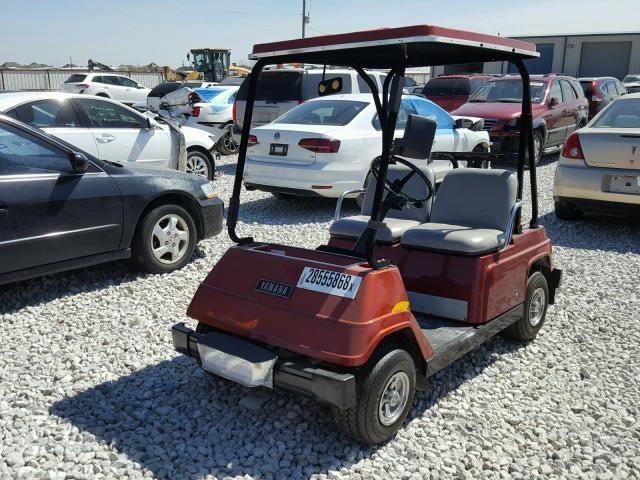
x=105, y=138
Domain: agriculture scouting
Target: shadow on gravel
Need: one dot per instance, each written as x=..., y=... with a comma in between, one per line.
x=178, y=422
x=594, y=232
x=36, y=291
x=295, y=211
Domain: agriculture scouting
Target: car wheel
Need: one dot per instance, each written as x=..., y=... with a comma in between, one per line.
x=566, y=212
x=538, y=147
x=165, y=239
x=200, y=163
x=227, y=145
x=482, y=148
x=536, y=301
x=384, y=400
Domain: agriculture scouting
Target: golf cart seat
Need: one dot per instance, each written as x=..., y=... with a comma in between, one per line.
x=472, y=213
x=396, y=221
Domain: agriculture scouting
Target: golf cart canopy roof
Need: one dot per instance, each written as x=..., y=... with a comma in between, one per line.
x=380, y=48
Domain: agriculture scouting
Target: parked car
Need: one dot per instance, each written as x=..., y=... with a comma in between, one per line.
x=632, y=82
x=215, y=114
x=559, y=108
x=325, y=146
x=453, y=91
x=117, y=87
x=601, y=91
x=280, y=90
x=62, y=208
x=599, y=168
x=109, y=130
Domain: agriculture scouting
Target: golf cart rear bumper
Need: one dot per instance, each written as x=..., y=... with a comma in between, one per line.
x=252, y=365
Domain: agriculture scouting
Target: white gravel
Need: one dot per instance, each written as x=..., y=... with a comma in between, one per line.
x=91, y=388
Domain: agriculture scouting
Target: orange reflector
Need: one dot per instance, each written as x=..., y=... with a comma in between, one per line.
x=400, y=307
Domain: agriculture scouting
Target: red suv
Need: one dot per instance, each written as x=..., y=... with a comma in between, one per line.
x=559, y=108
x=452, y=91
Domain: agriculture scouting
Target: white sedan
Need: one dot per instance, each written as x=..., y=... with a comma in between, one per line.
x=216, y=113
x=599, y=168
x=112, y=131
x=324, y=147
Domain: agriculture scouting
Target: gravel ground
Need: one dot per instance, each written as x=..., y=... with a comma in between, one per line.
x=91, y=388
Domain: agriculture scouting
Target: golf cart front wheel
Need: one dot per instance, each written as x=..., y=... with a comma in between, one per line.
x=536, y=301
x=384, y=400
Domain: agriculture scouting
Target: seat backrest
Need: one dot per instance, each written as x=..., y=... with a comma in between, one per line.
x=476, y=198
x=414, y=187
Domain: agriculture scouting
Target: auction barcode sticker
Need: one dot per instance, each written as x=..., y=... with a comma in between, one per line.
x=327, y=281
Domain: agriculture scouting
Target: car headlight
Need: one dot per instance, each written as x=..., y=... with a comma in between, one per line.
x=513, y=123
x=208, y=190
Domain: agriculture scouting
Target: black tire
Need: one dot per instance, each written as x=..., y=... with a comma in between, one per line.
x=566, y=212
x=363, y=422
x=201, y=163
x=482, y=148
x=538, y=147
x=227, y=145
x=530, y=324
x=145, y=240
x=283, y=196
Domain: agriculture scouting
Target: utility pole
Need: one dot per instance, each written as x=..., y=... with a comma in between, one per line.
x=305, y=17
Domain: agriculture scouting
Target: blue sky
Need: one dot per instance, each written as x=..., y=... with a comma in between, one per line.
x=163, y=31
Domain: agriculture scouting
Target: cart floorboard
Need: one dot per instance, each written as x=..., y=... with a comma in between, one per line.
x=451, y=339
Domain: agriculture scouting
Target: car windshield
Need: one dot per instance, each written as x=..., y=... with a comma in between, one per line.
x=75, y=77
x=631, y=78
x=620, y=114
x=508, y=91
x=209, y=94
x=441, y=87
x=323, y=112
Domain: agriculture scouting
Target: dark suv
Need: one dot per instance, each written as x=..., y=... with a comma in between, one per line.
x=453, y=91
x=601, y=91
x=558, y=103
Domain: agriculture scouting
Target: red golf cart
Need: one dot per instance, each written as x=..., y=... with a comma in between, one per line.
x=402, y=290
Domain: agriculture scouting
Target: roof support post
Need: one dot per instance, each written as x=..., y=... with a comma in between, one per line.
x=526, y=147
x=234, y=201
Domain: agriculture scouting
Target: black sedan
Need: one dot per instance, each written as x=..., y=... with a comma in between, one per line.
x=61, y=208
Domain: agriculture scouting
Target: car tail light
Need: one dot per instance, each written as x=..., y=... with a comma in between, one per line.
x=233, y=115
x=300, y=102
x=572, y=147
x=195, y=111
x=253, y=140
x=594, y=89
x=320, y=145
x=82, y=85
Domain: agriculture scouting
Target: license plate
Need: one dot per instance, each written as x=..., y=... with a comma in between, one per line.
x=278, y=149
x=625, y=184
x=329, y=282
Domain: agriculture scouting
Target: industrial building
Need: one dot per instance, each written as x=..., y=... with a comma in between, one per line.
x=579, y=55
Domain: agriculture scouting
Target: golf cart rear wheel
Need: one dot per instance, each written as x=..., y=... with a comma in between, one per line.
x=384, y=399
x=536, y=301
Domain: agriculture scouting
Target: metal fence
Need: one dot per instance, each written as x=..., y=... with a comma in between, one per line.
x=17, y=79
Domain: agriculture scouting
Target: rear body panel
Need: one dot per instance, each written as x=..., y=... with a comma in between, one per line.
x=321, y=326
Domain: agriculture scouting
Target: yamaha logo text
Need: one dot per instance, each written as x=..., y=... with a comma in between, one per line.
x=274, y=288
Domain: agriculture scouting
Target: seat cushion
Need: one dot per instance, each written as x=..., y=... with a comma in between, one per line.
x=352, y=227
x=453, y=238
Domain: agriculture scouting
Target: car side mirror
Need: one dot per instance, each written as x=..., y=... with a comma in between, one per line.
x=79, y=162
x=149, y=125
x=139, y=85
x=553, y=101
x=463, y=123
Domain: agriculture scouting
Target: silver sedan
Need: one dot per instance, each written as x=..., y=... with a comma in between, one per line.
x=599, y=168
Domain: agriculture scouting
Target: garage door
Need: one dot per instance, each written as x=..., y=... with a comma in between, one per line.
x=605, y=59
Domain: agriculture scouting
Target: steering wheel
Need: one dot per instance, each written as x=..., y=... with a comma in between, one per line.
x=396, y=198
